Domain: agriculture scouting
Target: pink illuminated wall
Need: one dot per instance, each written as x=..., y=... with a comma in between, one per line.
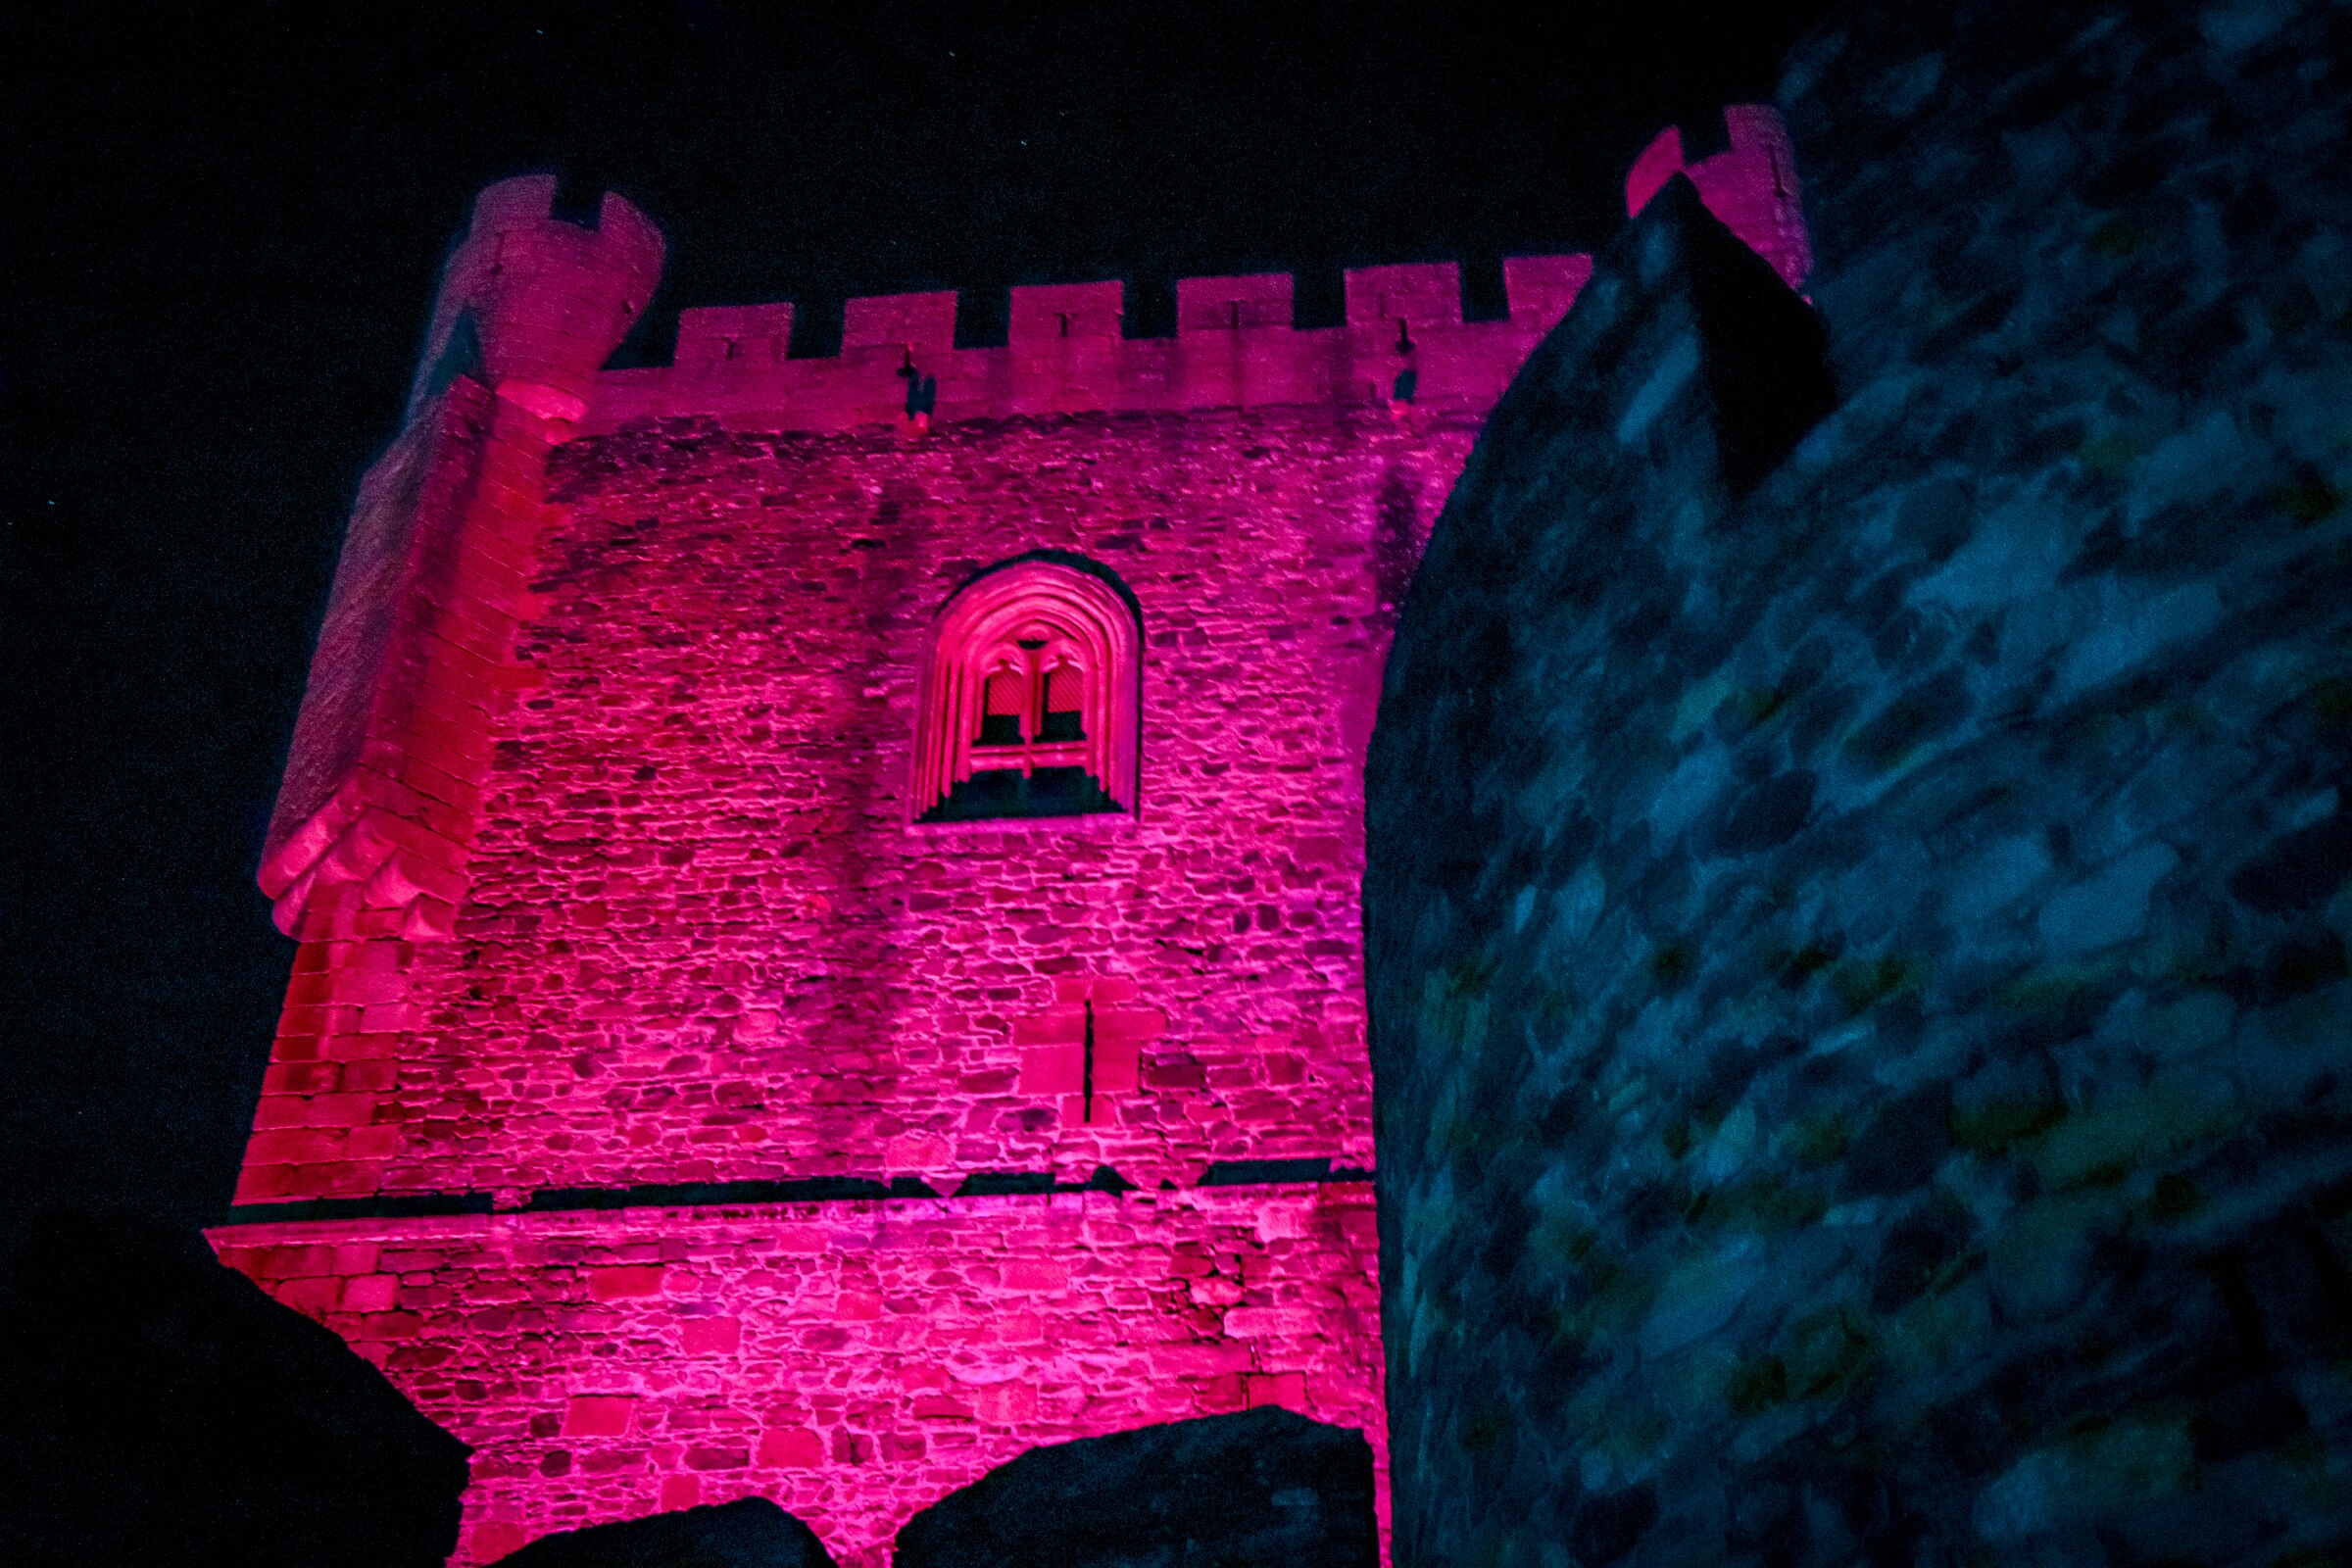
x=599, y=838
x=703, y=939
x=854, y=1361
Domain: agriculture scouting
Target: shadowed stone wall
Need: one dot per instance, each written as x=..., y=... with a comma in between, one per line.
x=1257, y=1489
x=1856, y=918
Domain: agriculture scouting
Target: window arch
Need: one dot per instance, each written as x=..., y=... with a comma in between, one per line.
x=1030, y=697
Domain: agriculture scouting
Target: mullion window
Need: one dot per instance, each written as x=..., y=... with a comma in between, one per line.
x=1005, y=709
x=1064, y=692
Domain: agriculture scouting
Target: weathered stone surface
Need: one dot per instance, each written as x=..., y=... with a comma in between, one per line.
x=748, y=1533
x=850, y=1360
x=156, y=1407
x=1264, y=1489
x=1857, y=962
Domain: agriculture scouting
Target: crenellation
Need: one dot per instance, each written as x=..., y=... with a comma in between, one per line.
x=1233, y=304
x=1462, y=366
x=1414, y=294
x=546, y=301
x=1045, y=315
x=758, y=333
x=513, y=203
x=1752, y=186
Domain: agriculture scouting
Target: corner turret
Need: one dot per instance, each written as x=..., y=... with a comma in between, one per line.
x=1752, y=186
x=531, y=305
x=375, y=818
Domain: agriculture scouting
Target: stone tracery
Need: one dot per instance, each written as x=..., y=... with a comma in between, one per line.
x=1029, y=697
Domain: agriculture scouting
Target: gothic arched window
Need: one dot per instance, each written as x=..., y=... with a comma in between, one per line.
x=1029, y=697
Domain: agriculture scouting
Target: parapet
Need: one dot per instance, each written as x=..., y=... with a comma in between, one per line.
x=1053, y=311
x=1230, y=304
x=756, y=333
x=1751, y=185
x=1405, y=296
x=1404, y=342
x=531, y=305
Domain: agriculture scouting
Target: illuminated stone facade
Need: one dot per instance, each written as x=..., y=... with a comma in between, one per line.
x=679, y=1094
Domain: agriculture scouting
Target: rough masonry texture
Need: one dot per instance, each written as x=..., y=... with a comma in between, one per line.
x=1856, y=904
x=855, y=1361
x=666, y=1098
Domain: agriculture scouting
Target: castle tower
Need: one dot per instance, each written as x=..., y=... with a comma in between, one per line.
x=828, y=886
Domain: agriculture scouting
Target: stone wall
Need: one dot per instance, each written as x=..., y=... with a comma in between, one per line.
x=705, y=943
x=852, y=1362
x=1856, y=946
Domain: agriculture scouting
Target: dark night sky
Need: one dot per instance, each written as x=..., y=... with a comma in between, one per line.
x=224, y=229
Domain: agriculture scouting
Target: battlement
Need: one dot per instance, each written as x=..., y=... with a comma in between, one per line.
x=533, y=306
x=1404, y=342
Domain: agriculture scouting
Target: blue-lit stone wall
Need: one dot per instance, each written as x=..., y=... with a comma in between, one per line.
x=1857, y=909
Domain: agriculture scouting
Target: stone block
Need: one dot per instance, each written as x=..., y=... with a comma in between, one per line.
x=709, y=1336
x=1284, y=1389
x=598, y=1415
x=1052, y=1069
x=369, y=1292
x=622, y=1283
x=1036, y=1274
x=791, y=1448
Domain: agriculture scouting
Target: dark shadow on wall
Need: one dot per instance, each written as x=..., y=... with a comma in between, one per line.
x=1396, y=545
x=158, y=1408
x=748, y=1533
x=1006, y=792
x=1262, y=1488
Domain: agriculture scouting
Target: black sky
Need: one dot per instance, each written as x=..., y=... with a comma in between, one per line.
x=224, y=229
